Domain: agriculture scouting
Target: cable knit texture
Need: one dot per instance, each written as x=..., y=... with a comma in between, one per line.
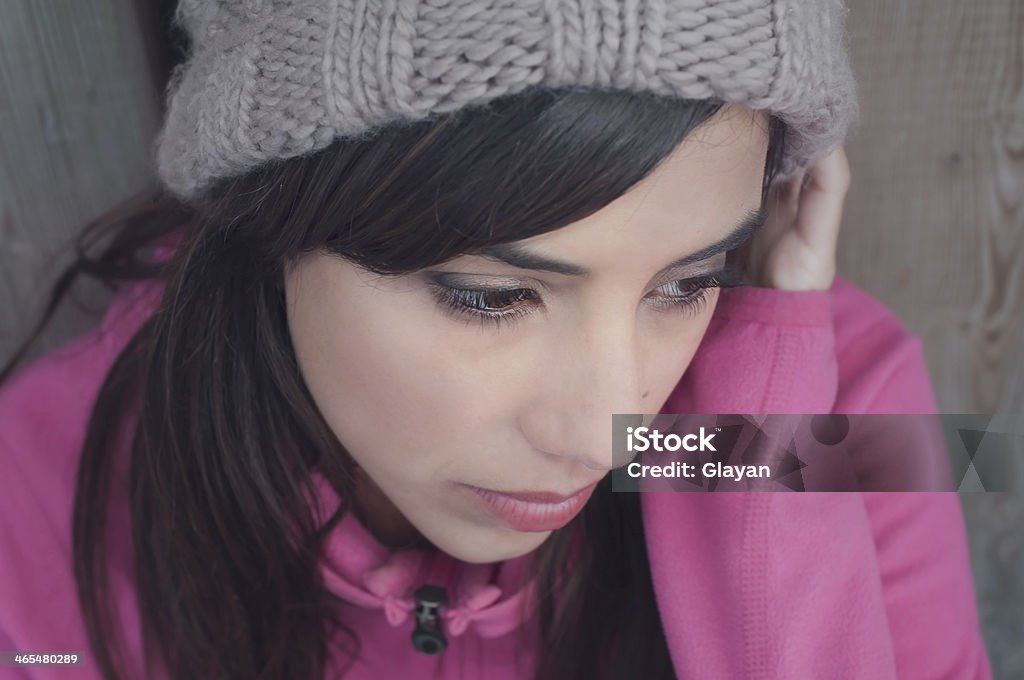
x=274, y=79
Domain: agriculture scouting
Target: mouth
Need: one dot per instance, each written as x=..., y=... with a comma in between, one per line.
x=532, y=510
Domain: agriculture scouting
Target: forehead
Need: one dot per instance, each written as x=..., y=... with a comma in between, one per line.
x=693, y=198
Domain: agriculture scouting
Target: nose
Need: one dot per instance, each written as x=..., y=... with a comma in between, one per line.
x=595, y=376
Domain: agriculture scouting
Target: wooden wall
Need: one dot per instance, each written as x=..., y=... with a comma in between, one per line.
x=934, y=223
x=934, y=226
x=78, y=112
x=935, y=219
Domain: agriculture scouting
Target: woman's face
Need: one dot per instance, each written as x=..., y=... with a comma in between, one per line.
x=446, y=411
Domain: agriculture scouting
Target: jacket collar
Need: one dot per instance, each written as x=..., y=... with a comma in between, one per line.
x=365, y=573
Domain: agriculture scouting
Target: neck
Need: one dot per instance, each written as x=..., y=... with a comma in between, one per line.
x=382, y=518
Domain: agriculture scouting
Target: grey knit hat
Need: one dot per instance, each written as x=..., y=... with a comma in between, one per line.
x=273, y=79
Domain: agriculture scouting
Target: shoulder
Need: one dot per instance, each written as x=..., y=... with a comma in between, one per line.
x=881, y=363
x=863, y=322
x=44, y=411
x=45, y=406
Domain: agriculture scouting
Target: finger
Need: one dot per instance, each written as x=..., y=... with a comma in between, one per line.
x=782, y=203
x=832, y=171
x=820, y=211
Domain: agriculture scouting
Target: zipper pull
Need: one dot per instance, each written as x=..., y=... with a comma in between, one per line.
x=427, y=636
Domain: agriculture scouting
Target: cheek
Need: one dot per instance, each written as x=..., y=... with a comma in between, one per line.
x=398, y=384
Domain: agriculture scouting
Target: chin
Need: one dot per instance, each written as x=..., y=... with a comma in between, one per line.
x=493, y=546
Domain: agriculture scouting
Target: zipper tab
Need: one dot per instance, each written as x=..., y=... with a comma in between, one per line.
x=428, y=637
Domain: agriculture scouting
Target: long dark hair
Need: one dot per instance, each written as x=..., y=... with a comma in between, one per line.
x=222, y=436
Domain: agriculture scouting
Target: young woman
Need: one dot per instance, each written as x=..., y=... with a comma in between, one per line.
x=348, y=415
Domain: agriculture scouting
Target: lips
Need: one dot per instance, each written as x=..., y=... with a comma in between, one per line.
x=533, y=510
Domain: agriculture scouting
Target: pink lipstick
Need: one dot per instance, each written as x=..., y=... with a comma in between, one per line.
x=533, y=510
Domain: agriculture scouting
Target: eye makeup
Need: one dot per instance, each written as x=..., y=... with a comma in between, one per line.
x=509, y=303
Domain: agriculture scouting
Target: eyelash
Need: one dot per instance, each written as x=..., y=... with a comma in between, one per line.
x=481, y=305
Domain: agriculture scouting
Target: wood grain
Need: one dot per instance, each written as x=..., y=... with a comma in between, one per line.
x=78, y=113
x=934, y=222
x=934, y=227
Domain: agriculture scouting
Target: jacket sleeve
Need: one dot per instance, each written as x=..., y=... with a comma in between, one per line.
x=10, y=672
x=794, y=585
x=920, y=538
x=751, y=585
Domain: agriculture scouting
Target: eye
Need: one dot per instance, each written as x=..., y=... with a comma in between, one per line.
x=498, y=305
x=511, y=304
x=691, y=295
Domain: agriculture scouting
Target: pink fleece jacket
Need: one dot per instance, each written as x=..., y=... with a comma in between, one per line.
x=749, y=585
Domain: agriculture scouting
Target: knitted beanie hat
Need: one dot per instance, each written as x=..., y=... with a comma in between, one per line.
x=274, y=79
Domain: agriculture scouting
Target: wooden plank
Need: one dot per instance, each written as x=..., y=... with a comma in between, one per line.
x=934, y=227
x=78, y=112
x=934, y=221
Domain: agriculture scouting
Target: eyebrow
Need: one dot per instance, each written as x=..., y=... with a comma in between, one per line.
x=517, y=255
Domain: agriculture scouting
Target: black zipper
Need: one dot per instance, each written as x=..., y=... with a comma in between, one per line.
x=428, y=637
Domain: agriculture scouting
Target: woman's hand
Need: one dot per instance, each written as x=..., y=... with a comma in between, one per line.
x=796, y=248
